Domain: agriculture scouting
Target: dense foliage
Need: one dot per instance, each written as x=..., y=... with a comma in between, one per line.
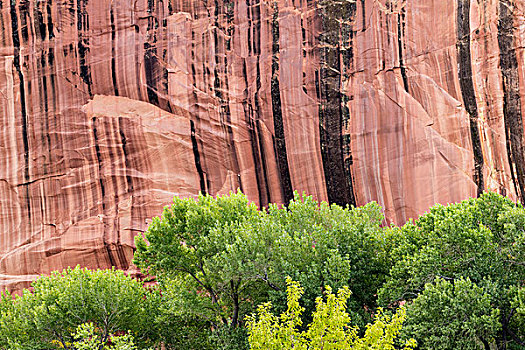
x=480, y=240
x=48, y=317
x=452, y=279
x=330, y=327
x=455, y=315
x=87, y=337
x=221, y=257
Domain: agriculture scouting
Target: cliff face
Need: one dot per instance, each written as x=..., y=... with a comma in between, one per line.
x=109, y=108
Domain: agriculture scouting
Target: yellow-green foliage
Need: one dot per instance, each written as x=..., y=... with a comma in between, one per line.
x=330, y=328
x=87, y=338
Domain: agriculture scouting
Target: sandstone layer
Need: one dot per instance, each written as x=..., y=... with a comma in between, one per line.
x=109, y=108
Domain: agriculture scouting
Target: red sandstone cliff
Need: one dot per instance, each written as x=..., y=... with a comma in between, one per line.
x=109, y=108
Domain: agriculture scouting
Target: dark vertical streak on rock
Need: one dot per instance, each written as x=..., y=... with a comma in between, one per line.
x=150, y=55
x=83, y=45
x=348, y=33
x=229, y=18
x=113, y=63
x=280, y=139
x=230, y=12
x=3, y=31
x=49, y=20
x=248, y=5
x=511, y=99
x=39, y=18
x=264, y=167
x=363, y=14
x=258, y=125
x=102, y=190
x=222, y=93
x=400, y=45
x=257, y=108
x=249, y=118
x=317, y=85
x=339, y=184
x=138, y=84
x=46, y=138
x=260, y=173
x=24, y=26
x=124, y=143
x=122, y=261
x=197, y=158
x=467, y=88
x=23, y=106
x=99, y=162
x=204, y=181
x=112, y=160
x=124, y=124
x=53, y=107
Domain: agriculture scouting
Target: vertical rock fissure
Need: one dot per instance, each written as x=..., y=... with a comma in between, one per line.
x=363, y=14
x=113, y=63
x=197, y=158
x=83, y=45
x=170, y=8
x=400, y=45
x=263, y=164
x=150, y=55
x=203, y=179
x=124, y=263
x=511, y=96
x=258, y=122
x=230, y=8
x=23, y=106
x=124, y=145
x=467, y=88
x=102, y=191
x=222, y=94
x=112, y=161
x=280, y=139
x=348, y=35
x=262, y=186
x=49, y=20
x=255, y=28
x=39, y=18
x=339, y=184
x=249, y=118
x=44, y=105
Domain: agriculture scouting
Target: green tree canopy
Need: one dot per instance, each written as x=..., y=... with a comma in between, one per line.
x=451, y=316
x=479, y=239
x=48, y=317
x=220, y=257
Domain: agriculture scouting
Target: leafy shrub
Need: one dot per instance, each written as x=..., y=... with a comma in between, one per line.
x=330, y=327
x=86, y=337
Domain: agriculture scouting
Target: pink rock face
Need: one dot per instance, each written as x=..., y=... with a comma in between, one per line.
x=109, y=108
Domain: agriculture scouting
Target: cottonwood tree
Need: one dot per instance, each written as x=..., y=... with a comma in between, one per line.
x=482, y=240
x=221, y=257
x=453, y=315
x=46, y=317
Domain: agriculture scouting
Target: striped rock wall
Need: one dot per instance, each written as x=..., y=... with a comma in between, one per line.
x=109, y=108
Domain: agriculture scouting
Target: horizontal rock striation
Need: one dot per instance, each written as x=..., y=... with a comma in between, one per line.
x=109, y=108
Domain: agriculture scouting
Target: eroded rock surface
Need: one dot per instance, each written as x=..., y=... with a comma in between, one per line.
x=109, y=108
